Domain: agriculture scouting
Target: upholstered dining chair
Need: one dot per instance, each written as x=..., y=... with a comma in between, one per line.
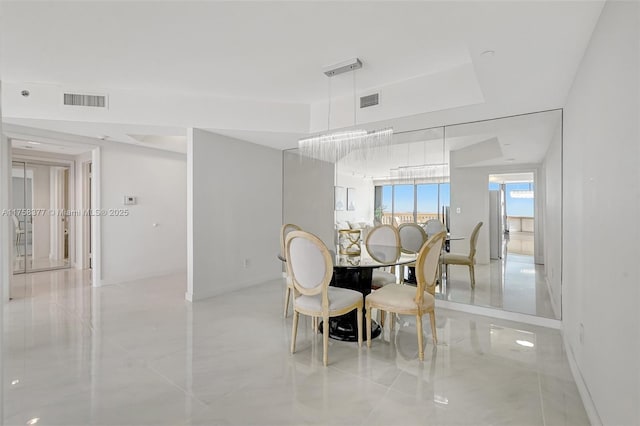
x=383, y=244
x=412, y=237
x=310, y=267
x=284, y=230
x=468, y=260
x=407, y=300
x=433, y=226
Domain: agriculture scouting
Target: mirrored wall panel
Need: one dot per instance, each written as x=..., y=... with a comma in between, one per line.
x=506, y=174
x=40, y=231
x=495, y=186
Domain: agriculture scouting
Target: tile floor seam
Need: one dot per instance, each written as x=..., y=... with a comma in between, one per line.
x=366, y=419
x=171, y=382
x=544, y=419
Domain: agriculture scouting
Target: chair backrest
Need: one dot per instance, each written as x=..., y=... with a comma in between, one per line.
x=427, y=265
x=433, y=226
x=284, y=230
x=309, y=264
x=412, y=237
x=473, y=241
x=383, y=243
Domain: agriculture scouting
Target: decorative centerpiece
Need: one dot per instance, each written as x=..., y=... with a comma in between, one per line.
x=349, y=242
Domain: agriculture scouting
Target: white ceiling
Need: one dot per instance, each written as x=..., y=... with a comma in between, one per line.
x=274, y=53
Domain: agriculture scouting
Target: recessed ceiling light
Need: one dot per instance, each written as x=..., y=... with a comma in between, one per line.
x=525, y=343
x=33, y=421
x=488, y=53
x=34, y=143
x=15, y=382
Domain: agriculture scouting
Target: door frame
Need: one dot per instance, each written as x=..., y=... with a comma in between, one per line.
x=44, y=137
x=84, y=201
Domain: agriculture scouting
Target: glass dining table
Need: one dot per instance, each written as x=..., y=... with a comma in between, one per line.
x=355, y=272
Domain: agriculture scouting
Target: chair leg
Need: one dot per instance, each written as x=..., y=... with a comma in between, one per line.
x=383, y=315
x=392, y=322
x=369, y=326
x=472, y=276
x=294, y=331
x=325, y=342
x=314, y=324
x=359, y=313
x=287, y=296
x=420, y=343
x=434, y=334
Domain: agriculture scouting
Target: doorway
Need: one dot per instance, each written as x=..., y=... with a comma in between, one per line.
x=512, y=215
x=40, y=201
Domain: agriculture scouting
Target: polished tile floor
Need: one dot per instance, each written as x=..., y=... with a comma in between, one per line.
x=514, y=284
x=139, y=354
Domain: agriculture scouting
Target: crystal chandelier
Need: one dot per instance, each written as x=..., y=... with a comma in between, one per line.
x=422, y=171
x=332, y=146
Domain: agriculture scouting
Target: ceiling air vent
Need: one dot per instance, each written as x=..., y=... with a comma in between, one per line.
x=77, y=99
x=369, y=100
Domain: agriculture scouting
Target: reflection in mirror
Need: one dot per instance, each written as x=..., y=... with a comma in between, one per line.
x=505, y=173
x=40, y=196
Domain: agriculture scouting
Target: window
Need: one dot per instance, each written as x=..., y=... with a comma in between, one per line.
x=518, y=205
x=411, y=203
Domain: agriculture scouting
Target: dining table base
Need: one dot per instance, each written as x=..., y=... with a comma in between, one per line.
x=345, y=327
x=342, y=328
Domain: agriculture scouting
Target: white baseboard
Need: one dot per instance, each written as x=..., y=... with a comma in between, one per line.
x=583, y=390
x=131, y=278
x=498, y=313
x=213, y=292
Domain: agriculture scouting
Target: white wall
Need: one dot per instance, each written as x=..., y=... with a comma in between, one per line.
x=5, y=240
x=234, y=213
x=308, y=195
x=552, y=224
x=132, y=248
x=363, y=196
x=601, y=214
